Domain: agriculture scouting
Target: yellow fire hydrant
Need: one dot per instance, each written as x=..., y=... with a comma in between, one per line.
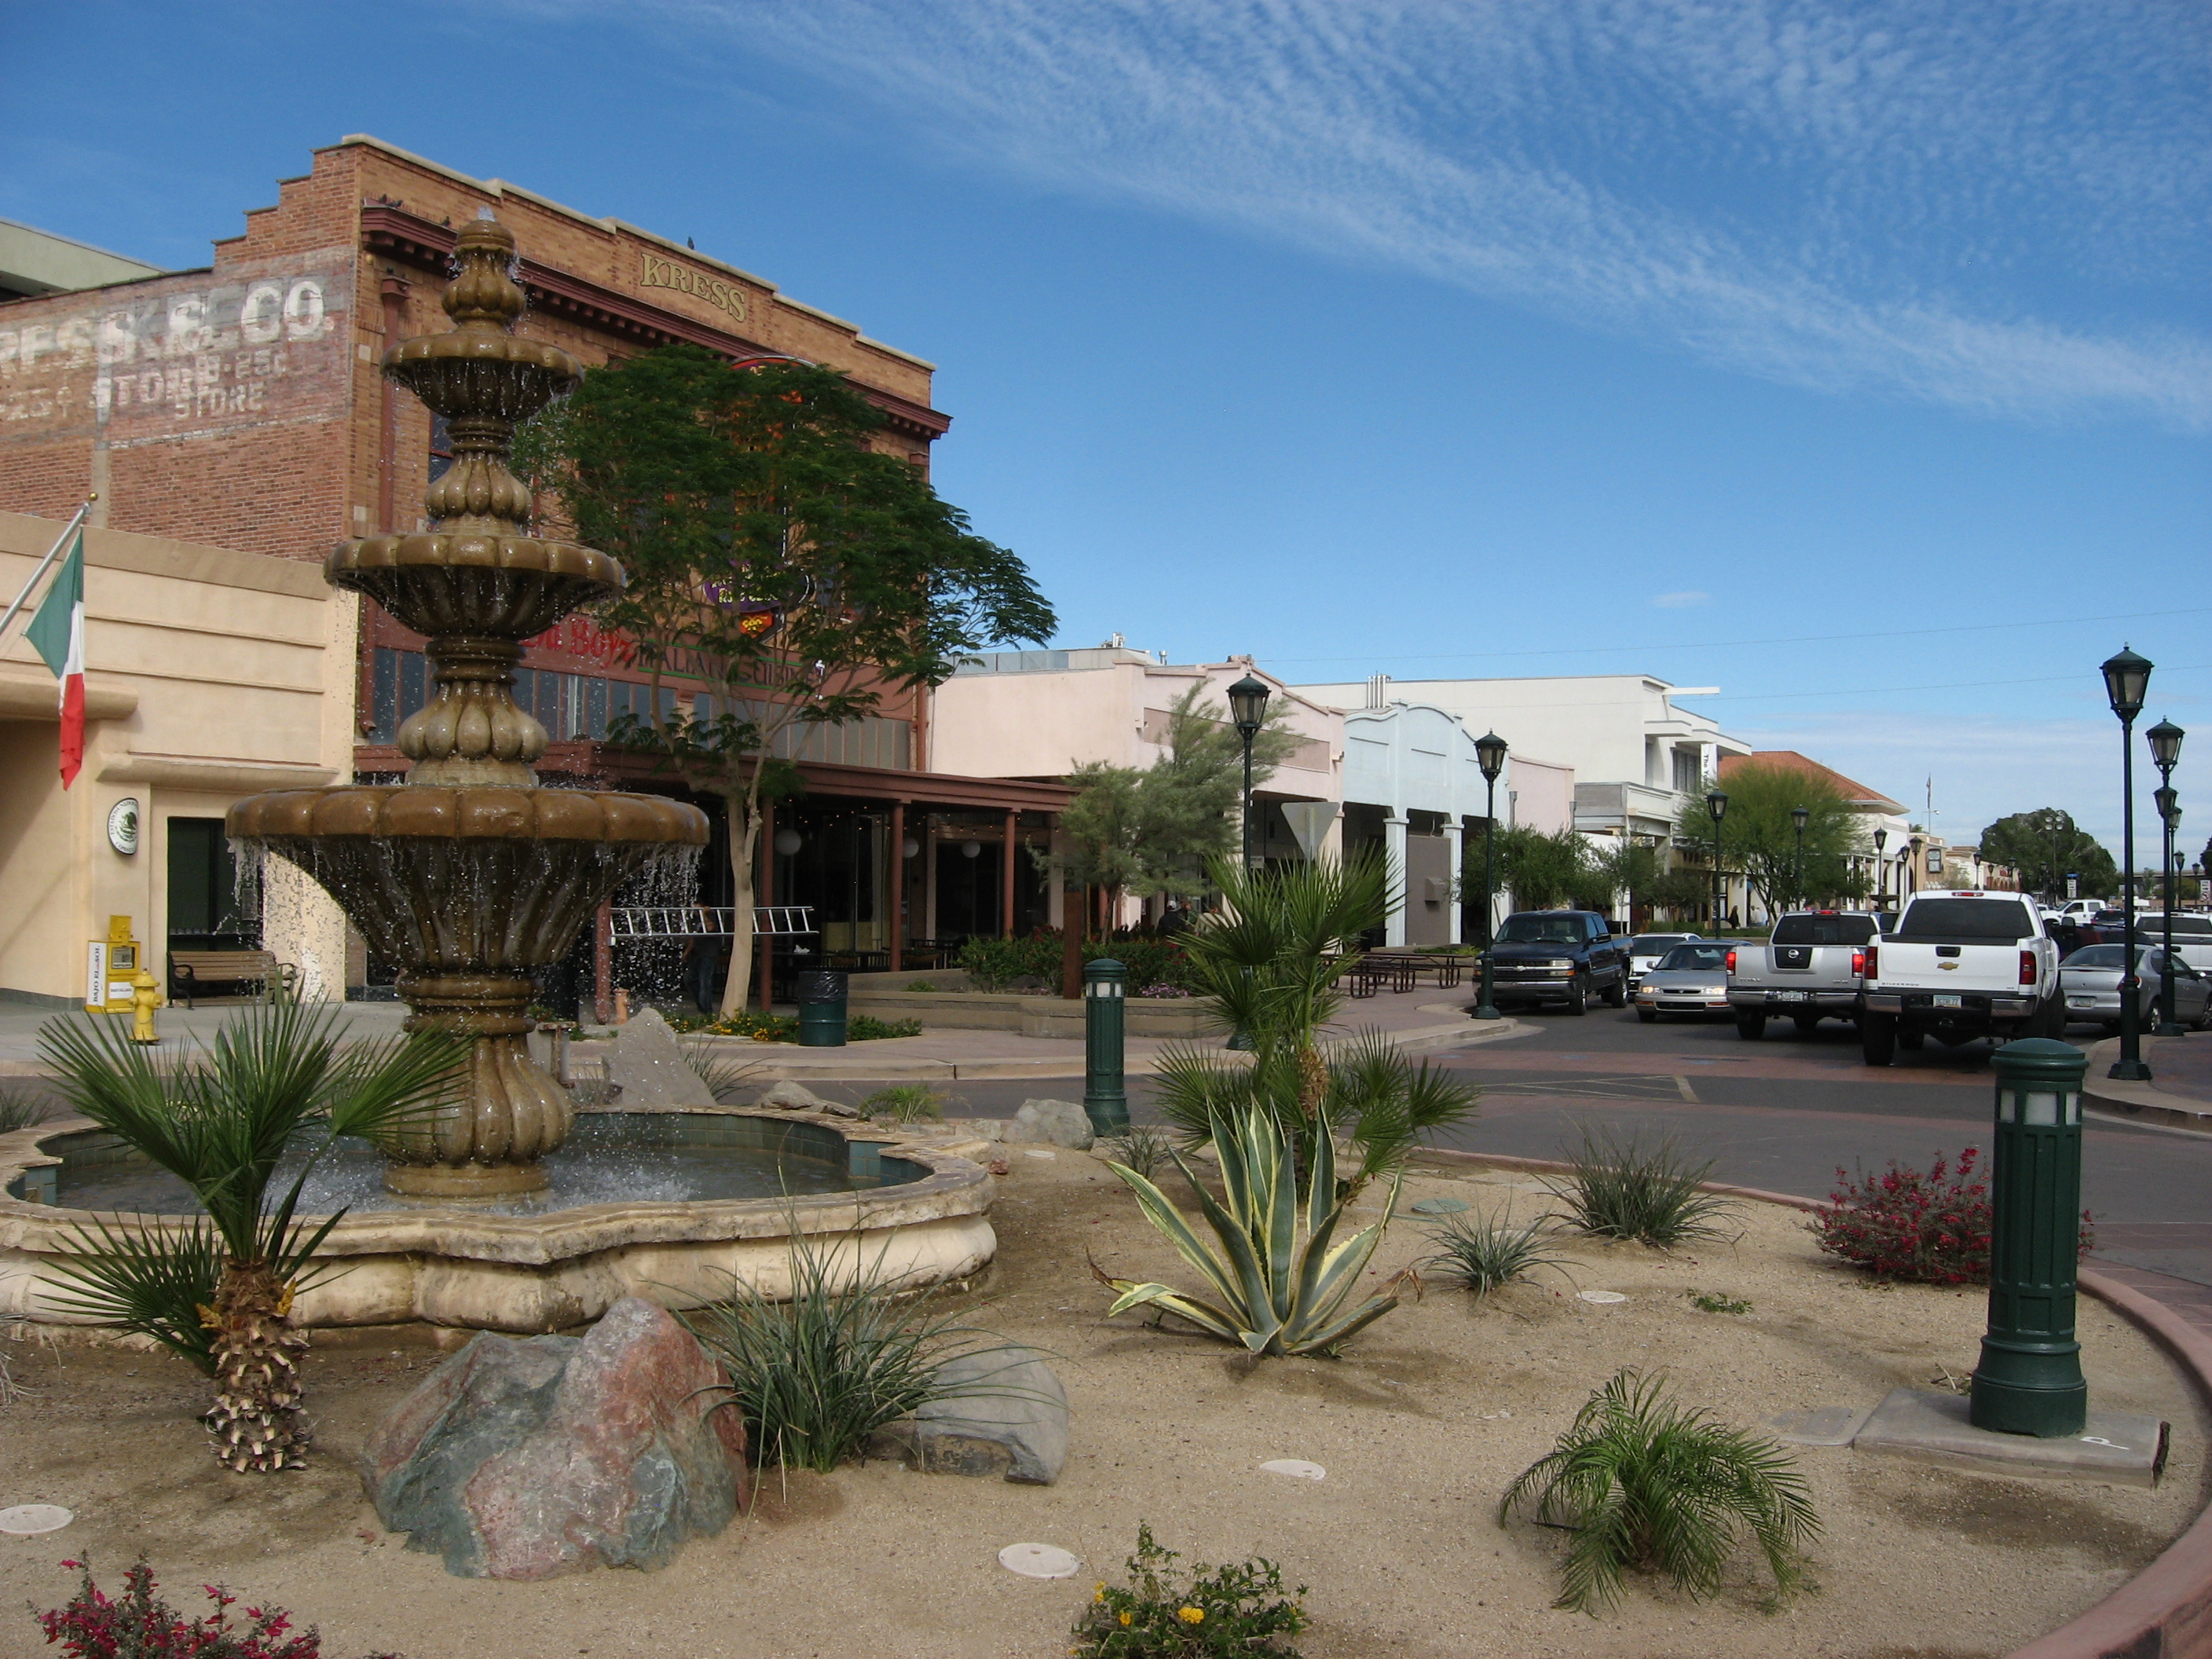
x=145, y=998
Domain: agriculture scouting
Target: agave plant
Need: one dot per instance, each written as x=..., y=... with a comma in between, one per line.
x=220, y=1290
x=1277, y=1293
x=1641, y=1480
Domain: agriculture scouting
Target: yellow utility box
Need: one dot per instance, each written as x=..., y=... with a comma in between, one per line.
x=111, y=964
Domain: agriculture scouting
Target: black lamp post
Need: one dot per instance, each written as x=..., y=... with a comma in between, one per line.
x=1490, y=753
x=1881, y=869
x=1248, y=707
x=1716, y=804
x=1797, y=816
x=2165, y=741
x=2127, y=678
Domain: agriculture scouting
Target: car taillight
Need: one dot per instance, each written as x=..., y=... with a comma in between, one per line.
x=1858, y=962
x=1731, y=959
x=2027, y=967
x=1872, y=959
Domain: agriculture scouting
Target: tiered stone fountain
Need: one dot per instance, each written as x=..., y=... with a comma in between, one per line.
x=469, y=875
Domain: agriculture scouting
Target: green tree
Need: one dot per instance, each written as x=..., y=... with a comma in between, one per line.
x=1152, y=829
x=1759, y=839
x=2043, y=847
x=774, y=559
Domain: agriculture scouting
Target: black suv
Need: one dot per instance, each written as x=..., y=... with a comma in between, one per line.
x=1562, y=956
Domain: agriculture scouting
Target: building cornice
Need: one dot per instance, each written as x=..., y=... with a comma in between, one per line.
x=394, y=234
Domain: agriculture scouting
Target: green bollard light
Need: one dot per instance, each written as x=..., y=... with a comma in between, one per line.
x=2030, y=1378
x=1105, y=1101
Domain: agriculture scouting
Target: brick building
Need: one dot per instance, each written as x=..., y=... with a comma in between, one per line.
x=241, y=407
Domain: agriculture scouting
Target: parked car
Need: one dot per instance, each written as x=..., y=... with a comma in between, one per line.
x=1960, y=965
x=1557, y=958
x=2090, y=980
x=1690, y=979
x=1812, y=966
x=2192, y=938
x=1645, y=952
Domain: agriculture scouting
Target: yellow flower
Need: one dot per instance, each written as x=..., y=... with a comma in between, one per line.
x=1126, y=1616
x=1191, y=1615
x=1099, y=1594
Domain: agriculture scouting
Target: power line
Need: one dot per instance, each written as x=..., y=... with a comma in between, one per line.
x=1737, y=645
x=1950, y=685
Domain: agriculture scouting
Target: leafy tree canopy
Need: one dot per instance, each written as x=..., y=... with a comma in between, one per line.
x=2043, y=847
x=1759, y=836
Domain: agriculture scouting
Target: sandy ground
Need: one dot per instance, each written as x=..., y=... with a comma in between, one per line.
x=1421, y=1427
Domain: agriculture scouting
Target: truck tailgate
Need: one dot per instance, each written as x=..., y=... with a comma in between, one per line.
x=1909, y=967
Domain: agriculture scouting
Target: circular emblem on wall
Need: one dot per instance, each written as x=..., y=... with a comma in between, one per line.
x=123, y=826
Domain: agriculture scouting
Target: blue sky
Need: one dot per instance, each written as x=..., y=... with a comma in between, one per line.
x=1738, y=344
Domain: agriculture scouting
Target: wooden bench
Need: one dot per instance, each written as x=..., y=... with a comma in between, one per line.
x=191, y=972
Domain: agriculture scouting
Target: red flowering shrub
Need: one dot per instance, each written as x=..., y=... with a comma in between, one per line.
x=137, y=1625
x=1933, y=1228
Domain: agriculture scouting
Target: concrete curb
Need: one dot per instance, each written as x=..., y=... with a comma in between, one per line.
x=2163, y=1611
x=2144, y=1102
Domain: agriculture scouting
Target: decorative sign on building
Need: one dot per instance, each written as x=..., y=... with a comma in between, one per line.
x=123, y=826
x=654, y=272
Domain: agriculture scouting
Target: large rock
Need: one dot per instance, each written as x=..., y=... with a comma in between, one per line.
x=647, y=1068
x=1062, y=1122
x=525, y=1457
x=789, y=1096
x=1003, y=1415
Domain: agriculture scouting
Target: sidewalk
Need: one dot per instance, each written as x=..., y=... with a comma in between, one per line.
x=2179, y=1093
x=1420, y=1021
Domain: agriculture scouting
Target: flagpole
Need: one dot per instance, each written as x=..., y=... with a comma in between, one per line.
x=44, y=564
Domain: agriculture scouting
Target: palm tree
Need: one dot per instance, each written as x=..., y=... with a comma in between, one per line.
x=220, y=1291
x=1273, y=964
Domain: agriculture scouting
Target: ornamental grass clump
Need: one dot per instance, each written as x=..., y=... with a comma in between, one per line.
x=1642, y=1482
x=1484, y=1252
x=1197, y=1613
x=1624, y=1188
x=1929, y=1228
x=854, y=1349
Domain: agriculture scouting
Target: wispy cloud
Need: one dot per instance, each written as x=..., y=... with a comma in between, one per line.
x=1681, y=601
x=1992, y=207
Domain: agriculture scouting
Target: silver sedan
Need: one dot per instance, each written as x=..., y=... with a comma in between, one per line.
x=1645, y=952
x=2089, y=980
x=1690, y=979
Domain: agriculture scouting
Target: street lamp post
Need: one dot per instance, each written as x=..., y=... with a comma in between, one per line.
x=1716, y=804
x=1489, y=752
x=1797, y=816
x=2127, y=678
x=2165, y=741
x=1881, y=869
x=1248, y=707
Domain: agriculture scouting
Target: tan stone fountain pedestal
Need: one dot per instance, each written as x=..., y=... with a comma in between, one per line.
x=469, y=875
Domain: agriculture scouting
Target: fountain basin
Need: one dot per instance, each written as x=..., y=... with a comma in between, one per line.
x=913, y=1209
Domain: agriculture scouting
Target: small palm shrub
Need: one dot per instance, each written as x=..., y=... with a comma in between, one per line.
x=816, y=1375
x=1930, y=1227
x=1644, y=1482
x=1278, y=1294
x=1197, y=1613
x=905, y=1102
x=1624, y=1188
x=139, y=1625
x=1483, y=1252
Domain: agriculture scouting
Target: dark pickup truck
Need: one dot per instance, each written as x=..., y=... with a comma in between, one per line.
x=1557, y=958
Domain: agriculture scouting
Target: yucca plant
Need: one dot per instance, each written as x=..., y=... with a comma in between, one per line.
x=1144, y=1149
x=1651, y=1192
x=220, y=1119
x=1644, y=1482
x=1484, y=1252
x=847, y=1353
x=710, y=1062
x=1278, y=1294
x=19, y=1110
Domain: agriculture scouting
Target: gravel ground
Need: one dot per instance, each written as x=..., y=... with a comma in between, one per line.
x=1421, y=1427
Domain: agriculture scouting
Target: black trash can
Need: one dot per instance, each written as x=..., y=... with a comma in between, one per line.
x=822, y=1008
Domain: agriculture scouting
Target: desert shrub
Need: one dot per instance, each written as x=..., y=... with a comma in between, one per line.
x=1197, y=1613
x=19, y=1110
x=1644, y=1482
x=1482, y=1252
x=725, y=1076
x=1624, y=1188
x=993, y=965
x=1715, y=1302
x=905, y=1102
x=1143, y=1149
x=867, y=1027
x=138, y=1625
x=921, y=985
x=1162, y=991
x=1930, y=1227
x=854, y=1349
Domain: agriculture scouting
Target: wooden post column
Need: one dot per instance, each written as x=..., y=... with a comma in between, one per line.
x=1006, y=883
x=897, y=883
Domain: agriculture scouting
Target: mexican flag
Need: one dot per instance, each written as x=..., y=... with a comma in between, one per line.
x=57, y=632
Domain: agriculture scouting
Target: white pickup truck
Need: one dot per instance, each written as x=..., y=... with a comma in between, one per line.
x=1960, y=965
x=1810, y=967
